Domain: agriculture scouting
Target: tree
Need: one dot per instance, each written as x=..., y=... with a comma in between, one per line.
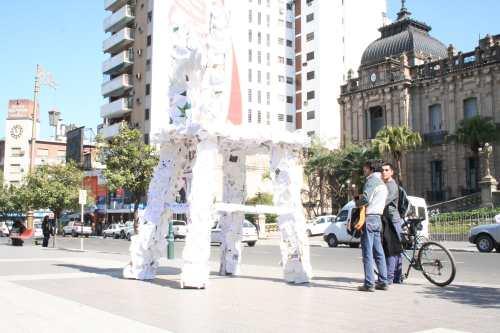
x=129, y=164
x=395, y=141
x=261, y=199
x=55, y=187
x=475, y=132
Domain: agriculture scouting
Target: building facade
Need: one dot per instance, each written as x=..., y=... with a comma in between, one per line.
x=329, y=38
x=407, y=77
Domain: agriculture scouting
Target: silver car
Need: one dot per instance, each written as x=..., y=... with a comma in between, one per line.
x=486, y=237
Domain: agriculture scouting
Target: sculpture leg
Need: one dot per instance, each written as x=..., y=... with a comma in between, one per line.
x=149, y=244
x=287, y=181
x=201, y=198
x=231, y=223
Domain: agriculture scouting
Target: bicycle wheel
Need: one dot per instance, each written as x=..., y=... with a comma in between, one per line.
x=437, y=264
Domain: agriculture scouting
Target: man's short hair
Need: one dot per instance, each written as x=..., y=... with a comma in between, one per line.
x=389, y=165
x=373, y=165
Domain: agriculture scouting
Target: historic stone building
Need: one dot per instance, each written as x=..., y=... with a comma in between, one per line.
x=407, y=77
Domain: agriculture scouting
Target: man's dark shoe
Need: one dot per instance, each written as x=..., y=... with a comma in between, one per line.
x=366, y=288
x=380, y=286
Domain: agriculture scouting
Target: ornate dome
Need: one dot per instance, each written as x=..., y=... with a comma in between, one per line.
x=404, y=35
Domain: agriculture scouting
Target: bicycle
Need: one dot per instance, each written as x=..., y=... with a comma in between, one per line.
x=429, y=257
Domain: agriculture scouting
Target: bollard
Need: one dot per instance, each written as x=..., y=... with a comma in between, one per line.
x=170, y=240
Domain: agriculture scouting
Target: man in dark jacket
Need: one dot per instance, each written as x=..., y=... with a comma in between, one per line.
x=47, y=231
x=392, y=227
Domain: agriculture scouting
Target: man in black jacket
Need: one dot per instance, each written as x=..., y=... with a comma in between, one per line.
x=391, y=220
x=47, y=231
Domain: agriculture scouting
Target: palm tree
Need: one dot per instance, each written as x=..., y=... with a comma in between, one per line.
x=475, y=132
x=395, y=141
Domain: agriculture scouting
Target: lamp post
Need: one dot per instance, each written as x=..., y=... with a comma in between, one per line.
x=487, y=150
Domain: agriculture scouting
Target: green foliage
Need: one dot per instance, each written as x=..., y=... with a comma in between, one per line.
x=475, y=132
x=129, y=163
x=475, y=213
x=395, y=141
x=261, y=199
x=328, y=172
x=54, y=187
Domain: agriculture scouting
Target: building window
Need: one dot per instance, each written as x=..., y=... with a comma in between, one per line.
x=470, y=107
x=250, y=55
x=146, y=114
x=249, y=75
x=281, y=117
x=259, y=96
x=309, y=36
x=259, y=18
x=310, y=17
x=268, y=118
x=289, y=61
x=15, y=168
x=436, y=176
x=310, y=56
x=250, y=95
x=268, y=59
x=148, y=65
x=268, y=21
x=289, y=25
x=289, y=118
x=289, y=99
x=435, y=117
x=376, y=121
x=150, y=16
x=289, y=80
x=259, y=117
x=259, y=38
x=148, y=40
x=281, y=41
x=259, y=76
x=281, y=78
x=268, y=40
x=249, y=115
x=281, y=60
x=472, y=174
x=146, y=138
x=249, y=36
x=310, y=115
x=249, y=16
x=310, y=95
x=148, y=89
x=268, y=78
x=289, y=43
x=268, y=98
x=259, y=57
x=15, y=152
x=310, y=75
x=310, y=134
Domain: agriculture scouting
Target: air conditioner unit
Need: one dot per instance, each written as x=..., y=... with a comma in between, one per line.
x=138, y=76
x=304, y=64
x=305, y=103
x=138, y=100
x=139, y=52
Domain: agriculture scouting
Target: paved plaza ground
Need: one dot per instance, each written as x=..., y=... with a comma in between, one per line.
x=54, y=290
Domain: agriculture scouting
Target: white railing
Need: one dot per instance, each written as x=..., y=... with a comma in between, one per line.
x=122, y=59
x=111, y=130
x=118, y=19
x=123, y=37
x=121, y=82
x=117, y=108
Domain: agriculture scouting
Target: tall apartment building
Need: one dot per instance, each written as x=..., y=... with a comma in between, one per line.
x=330, y=36
x=262, y=37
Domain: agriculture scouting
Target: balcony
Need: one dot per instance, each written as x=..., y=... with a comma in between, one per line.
x=119, y=63
x=119, y=19
x=119, y=41
x=107, y=132
x=436, y=138
x=116, y=86
x=114, y=5
x=117, y=108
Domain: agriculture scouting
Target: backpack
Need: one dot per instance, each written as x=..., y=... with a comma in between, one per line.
x=403, y=202
x=355, y=226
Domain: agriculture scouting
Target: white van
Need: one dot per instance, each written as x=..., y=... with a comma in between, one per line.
x=336, y=233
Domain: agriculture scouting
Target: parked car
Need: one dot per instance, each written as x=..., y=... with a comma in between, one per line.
x=319, y=225
x=129, y=231
x=114, y=230
x=180, y=229
x=249, y=233
x=486, y=237
x=336, y=232
x=76, y=228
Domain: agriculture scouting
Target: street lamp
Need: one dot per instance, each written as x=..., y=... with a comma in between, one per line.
x=54, y=118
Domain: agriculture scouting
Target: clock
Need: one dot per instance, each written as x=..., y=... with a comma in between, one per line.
x=16, y=131
x=373, y=77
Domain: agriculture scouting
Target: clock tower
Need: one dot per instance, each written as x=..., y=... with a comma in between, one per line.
x=18, y=128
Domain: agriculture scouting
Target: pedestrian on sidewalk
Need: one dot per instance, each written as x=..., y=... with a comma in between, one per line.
x=391, y=226
x=46, y=230
x=373, y=197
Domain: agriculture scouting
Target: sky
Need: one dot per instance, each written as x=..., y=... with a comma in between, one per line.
x=65, y=37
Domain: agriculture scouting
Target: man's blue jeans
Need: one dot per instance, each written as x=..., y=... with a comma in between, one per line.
x=395, y=263
x=371, y=247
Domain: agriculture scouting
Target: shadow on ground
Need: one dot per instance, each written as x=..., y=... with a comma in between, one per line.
x=482, y=297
